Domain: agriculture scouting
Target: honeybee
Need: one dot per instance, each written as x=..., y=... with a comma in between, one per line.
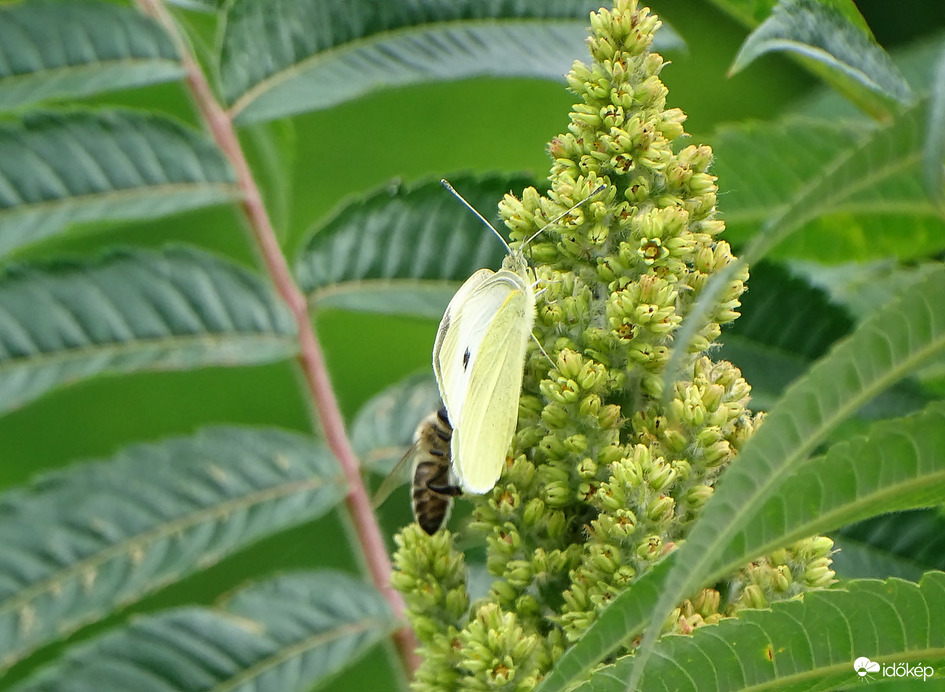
x=433, y=486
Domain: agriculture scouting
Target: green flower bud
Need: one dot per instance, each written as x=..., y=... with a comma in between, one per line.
x=609, y=417
x=518, y=573
x=555, y=524
x=697, y=496
x=660, y=476
x=557, y=494
x=569, y=364
x=782, y=578
x=552, y=446
x=818, y=574
x=707, y=602
x=650, y=549
x=590, y=406
x=606, y=558
x=813, y=548
x=753, y=597
x=661, y=509
x=586, y=469
x=556, y=415
x=534, y=512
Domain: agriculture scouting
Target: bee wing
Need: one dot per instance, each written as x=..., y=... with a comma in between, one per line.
x=396, y=478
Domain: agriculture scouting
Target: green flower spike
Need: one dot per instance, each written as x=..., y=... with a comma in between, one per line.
x=603, y=479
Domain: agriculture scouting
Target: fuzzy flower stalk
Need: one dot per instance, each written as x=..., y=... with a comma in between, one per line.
x=602, y=479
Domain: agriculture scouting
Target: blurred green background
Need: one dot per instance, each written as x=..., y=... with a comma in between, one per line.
x=418, y=132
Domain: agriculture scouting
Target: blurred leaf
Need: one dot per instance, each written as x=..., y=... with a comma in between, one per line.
x=899, y=337
x=861, y=287
x=78, y=544
x=383, y=428
x=281, y=57
x=55, y=49
x=934, y=162
x=272, y=149
x=914, y=61
x=902, y=544
x=850, y=60
x=59, y=169
x=285, y=634
x=753, y=12
x=763, y=167
x=177, y=309
x=404, y=250
x=888, y=622
x=200, y=5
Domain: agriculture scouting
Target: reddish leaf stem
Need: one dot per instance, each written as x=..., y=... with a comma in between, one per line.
x=310, y=356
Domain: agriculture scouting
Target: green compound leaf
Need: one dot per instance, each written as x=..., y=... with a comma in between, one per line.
x=887, y=152
x=891, y=215
x=282, y=57
x=133, y=311
x=404, y=250
x=77, y=544
x=286, y=634
x=898, y=465
x=899, y=338
x=59, y=169
x=56, y=49
x=383, y=429
x=901, y=544
x=827, y=39
x=752, y=512
x=799, y=646
x=773, y=352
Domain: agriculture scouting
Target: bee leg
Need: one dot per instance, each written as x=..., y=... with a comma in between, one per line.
x=440, y=484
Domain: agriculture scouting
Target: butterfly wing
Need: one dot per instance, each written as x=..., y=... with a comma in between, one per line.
x=460, y=329
x=491, y=330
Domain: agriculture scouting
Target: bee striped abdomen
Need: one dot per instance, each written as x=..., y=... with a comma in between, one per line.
x=433, y=488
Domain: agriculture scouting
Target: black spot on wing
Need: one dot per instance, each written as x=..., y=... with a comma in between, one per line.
x=466, y=356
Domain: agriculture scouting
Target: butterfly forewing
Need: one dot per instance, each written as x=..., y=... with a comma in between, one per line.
x=486, y=343
x=449, y=370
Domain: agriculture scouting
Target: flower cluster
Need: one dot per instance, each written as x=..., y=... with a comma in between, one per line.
x=603, y=477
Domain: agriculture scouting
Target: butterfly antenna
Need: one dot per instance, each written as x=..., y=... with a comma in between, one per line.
x=561, y=215
x=445, y=183
x=542, y=349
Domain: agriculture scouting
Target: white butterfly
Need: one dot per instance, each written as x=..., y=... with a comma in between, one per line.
x=479, y=358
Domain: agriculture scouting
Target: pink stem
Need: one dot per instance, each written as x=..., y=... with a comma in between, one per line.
x=310, y=356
